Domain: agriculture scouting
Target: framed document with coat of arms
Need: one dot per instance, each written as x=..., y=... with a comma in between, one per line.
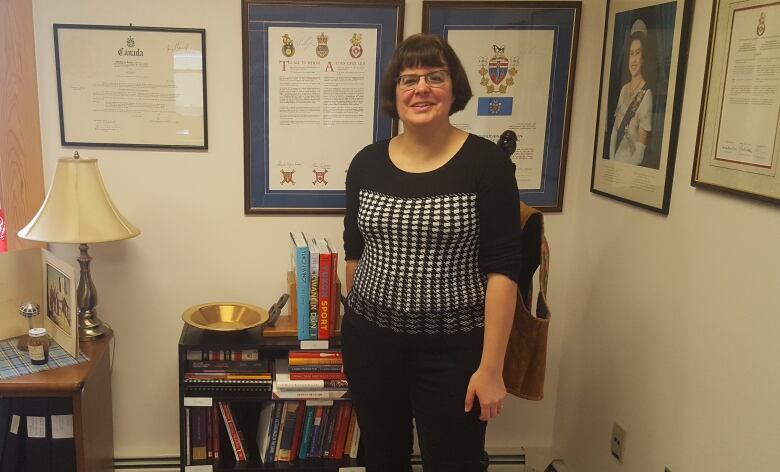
x=520, y=58
x=738, y=147
x=311, y=101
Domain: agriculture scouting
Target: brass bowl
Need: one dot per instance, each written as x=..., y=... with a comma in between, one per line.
x=225, y=316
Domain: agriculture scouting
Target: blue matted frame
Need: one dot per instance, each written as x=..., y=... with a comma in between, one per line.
x=563, y=18
x=386, y=16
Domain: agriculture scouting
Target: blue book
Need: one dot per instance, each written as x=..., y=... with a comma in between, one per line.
x=308, y=422
x=300, y=259
x=277, y=415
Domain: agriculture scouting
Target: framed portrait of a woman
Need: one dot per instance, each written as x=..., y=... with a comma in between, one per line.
x=640, y=97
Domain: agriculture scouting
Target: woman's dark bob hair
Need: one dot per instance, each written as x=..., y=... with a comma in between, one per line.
x=424, y=50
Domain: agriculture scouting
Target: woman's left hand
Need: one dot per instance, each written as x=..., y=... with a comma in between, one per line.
x=489, y=388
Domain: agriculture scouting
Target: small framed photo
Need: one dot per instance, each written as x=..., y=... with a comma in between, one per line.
x=59, y=303
x=642, y=82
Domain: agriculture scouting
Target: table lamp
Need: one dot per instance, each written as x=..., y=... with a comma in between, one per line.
x=78, y=210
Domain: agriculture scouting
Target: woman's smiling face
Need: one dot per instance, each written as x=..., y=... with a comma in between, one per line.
x=424, y=105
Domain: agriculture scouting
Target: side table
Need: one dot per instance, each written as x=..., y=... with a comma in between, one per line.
x=88, y=386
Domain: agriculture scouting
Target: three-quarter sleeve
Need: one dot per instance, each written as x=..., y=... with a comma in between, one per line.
x=499, y=215
x=353, y=239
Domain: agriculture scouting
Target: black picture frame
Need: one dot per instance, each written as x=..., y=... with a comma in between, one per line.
x=622, y=169
x=118, y=101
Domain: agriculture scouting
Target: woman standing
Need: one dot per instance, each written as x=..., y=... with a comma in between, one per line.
x=432, y=242
x=634, y=111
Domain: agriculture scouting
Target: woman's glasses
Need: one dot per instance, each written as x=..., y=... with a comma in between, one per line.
x=437, y=78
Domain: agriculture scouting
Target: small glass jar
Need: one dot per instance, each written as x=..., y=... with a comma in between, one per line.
x=38, y=346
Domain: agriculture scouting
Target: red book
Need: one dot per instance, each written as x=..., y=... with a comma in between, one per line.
x=316, y=354
x=233, y=432
x=335, y=294
x=317, y=376
x=324, y=305
x=3, y=241
x=341, y=430
x=215, y=430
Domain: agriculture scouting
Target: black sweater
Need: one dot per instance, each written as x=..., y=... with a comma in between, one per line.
x=426, y=241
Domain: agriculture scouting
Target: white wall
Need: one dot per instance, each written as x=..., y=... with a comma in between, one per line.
x=196, y=244
x=674, y=334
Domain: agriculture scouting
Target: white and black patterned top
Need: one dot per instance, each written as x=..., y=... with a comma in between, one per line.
x=426, y=241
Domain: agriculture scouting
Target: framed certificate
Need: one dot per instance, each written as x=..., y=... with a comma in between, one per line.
x=131, y=86
x=642, y=81
x=520, y=58
x=311, y=80
x=738, y=143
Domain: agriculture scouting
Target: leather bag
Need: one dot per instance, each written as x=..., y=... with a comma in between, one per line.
x=526, y=354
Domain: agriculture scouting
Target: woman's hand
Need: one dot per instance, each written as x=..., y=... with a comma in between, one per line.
x=488, y=387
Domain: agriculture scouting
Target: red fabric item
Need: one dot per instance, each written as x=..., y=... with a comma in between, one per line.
x=3, y=240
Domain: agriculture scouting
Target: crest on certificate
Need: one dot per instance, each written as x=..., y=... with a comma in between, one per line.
x=130, y=41
x=498, y=71
x=287, y=176
x=287, y=46
x=319, y=177
x=761, y=28
x=356, y=50
x=322, y=46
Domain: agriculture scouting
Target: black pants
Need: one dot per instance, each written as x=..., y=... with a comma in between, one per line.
x=394, y=378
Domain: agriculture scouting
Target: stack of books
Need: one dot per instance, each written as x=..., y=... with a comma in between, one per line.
x=297, y=430
x=310, y=374
x=214, y=370
x=314, y=265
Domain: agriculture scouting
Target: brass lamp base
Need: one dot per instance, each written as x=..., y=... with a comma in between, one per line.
x=91, y=328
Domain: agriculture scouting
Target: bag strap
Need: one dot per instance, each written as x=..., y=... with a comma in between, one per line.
x=526, y=212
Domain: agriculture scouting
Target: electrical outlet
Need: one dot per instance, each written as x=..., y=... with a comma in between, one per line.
x=618, y=441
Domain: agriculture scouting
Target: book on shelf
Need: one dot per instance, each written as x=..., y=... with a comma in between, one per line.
x=300, y=415
x=274, y=436
x=258, y=366
x=320, y=417
x=326, y=282
x=343, y=426
x=308, y=422
x=264, y=427
x=314, y=287
x=223, y=355
x=329, y=428
x=289, y=420
x=329, y=368
x=300, y=264
x=335, y=290
x=215, y=442
x=313, y=353
x=283, y=382
x=198, y=435
x=317, y=376
x=353, y=449
x=187, y=436
x=282, y=375
x=350, y=432
x=315, y=361
x=234, y=432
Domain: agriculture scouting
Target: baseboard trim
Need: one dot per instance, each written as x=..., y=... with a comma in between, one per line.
x=167, y=463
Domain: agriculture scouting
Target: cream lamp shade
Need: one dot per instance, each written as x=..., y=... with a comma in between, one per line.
x=77, y=208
